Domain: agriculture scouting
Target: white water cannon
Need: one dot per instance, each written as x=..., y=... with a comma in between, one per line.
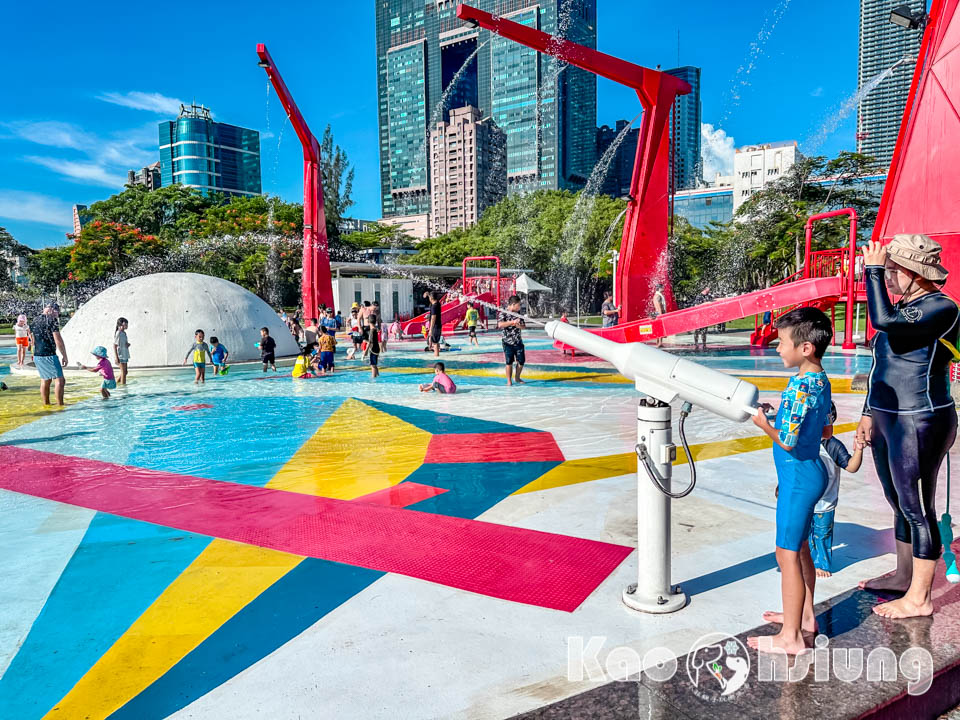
x=666, y=377
x=662, y=378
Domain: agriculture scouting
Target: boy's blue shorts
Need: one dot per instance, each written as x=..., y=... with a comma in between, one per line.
x=802, y=484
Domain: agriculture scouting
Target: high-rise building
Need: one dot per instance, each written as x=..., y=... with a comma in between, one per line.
x=755, y=166
x=620, y=173
x=685, y=131
x=148, y=176
x=547, y=112
x=468, y=164
x=80, y=218
x=882, y=45
x=210, y=156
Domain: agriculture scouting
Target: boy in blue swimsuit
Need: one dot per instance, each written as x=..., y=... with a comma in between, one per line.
x=804, y=334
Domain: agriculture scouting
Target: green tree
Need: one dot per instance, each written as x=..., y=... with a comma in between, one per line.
x=337, y=175
x=378, y=236
x=47, y=269
x=104, y=248
x=166, y=212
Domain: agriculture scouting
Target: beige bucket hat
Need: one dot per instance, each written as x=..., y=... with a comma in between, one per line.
x=920, y=254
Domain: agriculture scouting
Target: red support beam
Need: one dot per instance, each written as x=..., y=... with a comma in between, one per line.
x=851, y=293
x=316, y=287
x=643, y=250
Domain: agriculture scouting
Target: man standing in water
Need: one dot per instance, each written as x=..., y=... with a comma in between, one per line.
x=436, y=322
x=513, y=351
x=704, y=297
x=45, y=335
x=609, y=312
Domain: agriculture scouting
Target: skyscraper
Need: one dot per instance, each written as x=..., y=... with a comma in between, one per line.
x=148, y=176
x=547, y=112
x=883, y=44
x=209, y=156
x=468, y=165
x=620, y=173
x=685, y=131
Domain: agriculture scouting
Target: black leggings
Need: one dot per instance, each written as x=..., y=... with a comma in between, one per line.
x=908, y=451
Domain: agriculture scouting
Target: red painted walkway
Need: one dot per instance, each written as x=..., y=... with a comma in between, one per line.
x=526, y=566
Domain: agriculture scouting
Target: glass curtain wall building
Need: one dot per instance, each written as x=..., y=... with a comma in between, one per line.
x=882, y=44
x=548, y=113
x=685, y=131
x=209, y=156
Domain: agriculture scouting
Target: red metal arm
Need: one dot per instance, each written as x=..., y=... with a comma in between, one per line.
x=848, y=343
x=316, y=286
x=645, y=226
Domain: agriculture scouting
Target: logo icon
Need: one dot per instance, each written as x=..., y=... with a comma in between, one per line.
x=718, y=666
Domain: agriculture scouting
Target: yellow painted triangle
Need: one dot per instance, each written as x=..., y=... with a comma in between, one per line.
x=358, y=450
x=574, y=472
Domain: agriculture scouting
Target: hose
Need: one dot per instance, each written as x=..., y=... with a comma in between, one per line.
x=655, y=477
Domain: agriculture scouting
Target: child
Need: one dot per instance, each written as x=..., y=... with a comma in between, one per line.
x=329, y=323
x=442, y=383
x=219, y=355
x=200, y=351
x=22, y=332
x=267, y=347
x=473, y=316
x=513, y=350
x=356, y=333
x=396, y=332
x=301, y=368
x=834, y=456
x=105, y=369
x=328, y=346
x=805, y=334
x=121, y=349
x=373, y=346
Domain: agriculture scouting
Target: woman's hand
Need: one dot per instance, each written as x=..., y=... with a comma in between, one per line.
x=874, y=253
x=865, y=430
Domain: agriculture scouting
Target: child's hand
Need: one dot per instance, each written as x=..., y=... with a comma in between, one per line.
x=761, y=420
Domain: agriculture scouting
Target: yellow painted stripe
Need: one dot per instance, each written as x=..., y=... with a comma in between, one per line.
x=358, y=450
x=21, y=404
x=574, y=472
x=217, y=585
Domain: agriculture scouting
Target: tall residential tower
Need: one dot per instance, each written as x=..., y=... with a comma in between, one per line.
x=547, y=112
x=882, y=45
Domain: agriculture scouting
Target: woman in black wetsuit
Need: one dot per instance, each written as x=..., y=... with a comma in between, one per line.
x=909, y=417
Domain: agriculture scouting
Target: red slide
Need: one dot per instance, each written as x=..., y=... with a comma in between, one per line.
x=453, y=311
x=826, y=290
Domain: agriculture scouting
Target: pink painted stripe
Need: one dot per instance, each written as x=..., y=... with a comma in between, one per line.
x=402, y=495
x=493, y=447
x=525, y=566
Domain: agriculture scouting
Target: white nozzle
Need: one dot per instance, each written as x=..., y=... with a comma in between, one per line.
x=664, y=376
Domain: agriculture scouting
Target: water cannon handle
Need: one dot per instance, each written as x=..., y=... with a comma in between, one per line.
x=949, y=558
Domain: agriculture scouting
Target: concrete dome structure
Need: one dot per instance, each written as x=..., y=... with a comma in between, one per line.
x=164, y=311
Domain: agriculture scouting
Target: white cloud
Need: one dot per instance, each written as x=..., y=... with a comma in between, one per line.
x=31, y=207
x=52, y=134
x=93, y=173
x=717, y=150
x=152, y=102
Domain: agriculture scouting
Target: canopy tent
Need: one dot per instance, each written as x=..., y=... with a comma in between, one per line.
x=527, y=284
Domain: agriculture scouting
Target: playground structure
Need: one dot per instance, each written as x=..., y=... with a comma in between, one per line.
x=453, y=309
x=316, y=286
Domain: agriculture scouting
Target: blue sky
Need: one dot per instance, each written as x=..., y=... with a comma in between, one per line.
x=86, y=86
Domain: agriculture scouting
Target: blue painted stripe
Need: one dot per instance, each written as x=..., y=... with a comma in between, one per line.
x=118, y=570
x=283, y=611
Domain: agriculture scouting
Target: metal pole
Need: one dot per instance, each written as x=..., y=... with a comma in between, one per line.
x=848, y=343
x=653, y=592
x=858, y=319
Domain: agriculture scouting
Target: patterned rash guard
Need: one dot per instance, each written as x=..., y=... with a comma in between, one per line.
x=910, y=371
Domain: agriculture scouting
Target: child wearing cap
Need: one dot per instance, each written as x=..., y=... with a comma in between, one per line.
x=105, y=369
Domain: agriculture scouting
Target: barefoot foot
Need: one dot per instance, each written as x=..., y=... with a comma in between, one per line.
x=903, y=608
x=823, y=573
x=791, y=645
x=891, y=582
x=772, y=616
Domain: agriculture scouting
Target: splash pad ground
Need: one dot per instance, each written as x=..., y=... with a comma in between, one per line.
x=341, y=547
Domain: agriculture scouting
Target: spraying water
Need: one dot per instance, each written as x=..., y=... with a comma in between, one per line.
x=833, y=122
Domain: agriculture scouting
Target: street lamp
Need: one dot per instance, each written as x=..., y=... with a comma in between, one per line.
x=905, y=17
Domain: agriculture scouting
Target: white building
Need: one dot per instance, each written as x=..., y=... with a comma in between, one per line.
x=468, y=164
x=755, y=166
x=416, y=226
